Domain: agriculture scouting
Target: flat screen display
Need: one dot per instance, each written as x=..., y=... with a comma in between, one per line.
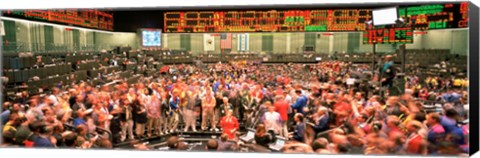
x=385, y=16
x=151, y=38
x=280, y=142
x=250, y=134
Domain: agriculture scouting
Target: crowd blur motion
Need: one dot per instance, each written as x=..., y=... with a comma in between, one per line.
x=330, y=107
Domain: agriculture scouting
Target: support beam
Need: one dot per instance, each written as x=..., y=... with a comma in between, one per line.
x=404, y=56
x=374, y=60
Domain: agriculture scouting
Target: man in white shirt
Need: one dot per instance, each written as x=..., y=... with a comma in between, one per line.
x=155, y=89
x=53, y=96
x=153, y=113
x=208, y=111
x=188, y=111
x=272, y=119
x=359, y=99
x=287, y=97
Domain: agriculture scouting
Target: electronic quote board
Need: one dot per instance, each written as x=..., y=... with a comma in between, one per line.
x=421, y=17
x=88, y=18
x=266, y=21
x=435, y=16
x=388, y=36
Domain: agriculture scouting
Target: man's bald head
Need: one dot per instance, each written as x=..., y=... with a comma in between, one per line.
x=336, y=138
x=212, y=145
x=388, y=57
x=393, y=120
x=320, y=143
x=172, y=142
x=6, y=105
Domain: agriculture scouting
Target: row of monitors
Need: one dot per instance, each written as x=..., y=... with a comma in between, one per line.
x=18, y=76
x=23, y=62
x=74, y=58
x=28, y=62
x=82, y=75
x=79, y=75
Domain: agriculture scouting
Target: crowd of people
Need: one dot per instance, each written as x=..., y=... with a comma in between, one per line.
x=331, y=108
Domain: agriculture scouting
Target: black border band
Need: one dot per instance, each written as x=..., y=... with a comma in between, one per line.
x=473, y=66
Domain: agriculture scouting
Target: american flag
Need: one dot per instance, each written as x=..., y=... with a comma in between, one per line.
x=226, y=41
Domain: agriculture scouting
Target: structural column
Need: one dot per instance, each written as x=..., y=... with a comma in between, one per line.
x=288, y=50
x=330, y=44
x=165, y=41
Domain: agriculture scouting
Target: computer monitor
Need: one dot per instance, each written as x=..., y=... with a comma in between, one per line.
x=280, y=142
x=250, y=134
x=248, y=138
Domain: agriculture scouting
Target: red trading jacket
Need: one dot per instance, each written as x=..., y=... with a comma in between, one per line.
x=414, y=144
x=164, y=69
x=228, y=125
x=282, y=108
x=29, y=144
x=286, y=80
x=342, y=106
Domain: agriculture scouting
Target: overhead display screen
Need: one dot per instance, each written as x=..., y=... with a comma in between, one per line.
x=388, y=36
x=151, y=38
x=88, y=18
x=441, y=16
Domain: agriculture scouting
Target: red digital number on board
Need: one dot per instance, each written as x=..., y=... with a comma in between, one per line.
x=392, y=35
x=464, y=7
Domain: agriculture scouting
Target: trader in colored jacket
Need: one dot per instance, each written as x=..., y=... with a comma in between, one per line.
x=174, y=110
x=300, y=103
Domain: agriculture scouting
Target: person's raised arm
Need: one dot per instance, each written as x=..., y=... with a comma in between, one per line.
x=404, y=109
x=355, y=108
x=53, y=141
x=172, y=104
